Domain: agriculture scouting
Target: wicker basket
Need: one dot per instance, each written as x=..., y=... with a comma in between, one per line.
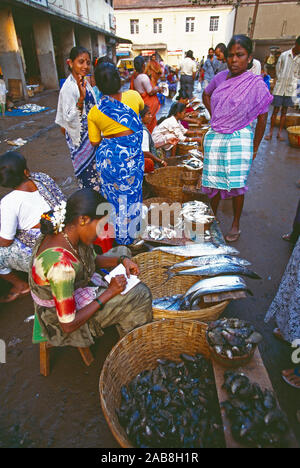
x=236, y=361
x=139, y=351
x=166, y=183
x=184, y=148
x=294, y=136
x=153, y=274
x=191, y=177
x=291, y=120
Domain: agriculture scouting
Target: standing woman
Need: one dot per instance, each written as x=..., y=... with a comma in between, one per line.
x=220, y=53
x=234, y=98
x=76, y=98
x=116, y=129
x=141, y=83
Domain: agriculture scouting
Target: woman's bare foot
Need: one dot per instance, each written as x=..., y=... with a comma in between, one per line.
x=20, y=288
x=280, y=138
x=292, y=377
x=268, y=137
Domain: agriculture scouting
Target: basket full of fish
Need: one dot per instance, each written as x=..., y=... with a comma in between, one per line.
x=157, y=388
x=180, y=276
x=232, y=341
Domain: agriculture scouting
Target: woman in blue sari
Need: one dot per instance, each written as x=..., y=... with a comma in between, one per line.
x=76, y=98
x=115, y=127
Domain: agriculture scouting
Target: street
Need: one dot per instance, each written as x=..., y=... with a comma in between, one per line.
x=63, y=410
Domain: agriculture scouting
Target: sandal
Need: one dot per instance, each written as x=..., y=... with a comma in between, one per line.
x=12, y=296
x=292, y=377
x=233, y=237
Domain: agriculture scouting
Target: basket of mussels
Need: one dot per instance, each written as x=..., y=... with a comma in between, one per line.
x=232, y=342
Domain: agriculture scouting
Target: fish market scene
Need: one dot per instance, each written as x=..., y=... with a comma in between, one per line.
x=149, y=225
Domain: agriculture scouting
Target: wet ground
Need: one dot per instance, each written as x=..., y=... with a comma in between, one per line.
x=63, y=410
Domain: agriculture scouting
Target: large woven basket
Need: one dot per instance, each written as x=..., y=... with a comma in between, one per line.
x=154, y=275
x=294, y=136
x=139, y=351
x=291, y=120
x=166, y=182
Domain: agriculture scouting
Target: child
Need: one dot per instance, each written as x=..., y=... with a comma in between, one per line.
x=3, y=92
x=148, y=145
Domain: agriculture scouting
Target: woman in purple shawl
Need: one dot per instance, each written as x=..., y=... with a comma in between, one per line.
x=234, y=98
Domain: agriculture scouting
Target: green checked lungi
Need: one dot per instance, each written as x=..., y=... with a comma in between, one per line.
x=227, y=159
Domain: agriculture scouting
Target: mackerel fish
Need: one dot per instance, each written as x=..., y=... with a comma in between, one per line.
x=198, y=250
x=210, y=260
x=214, y=285
x=215, y=269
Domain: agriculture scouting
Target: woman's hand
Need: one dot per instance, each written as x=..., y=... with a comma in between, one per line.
x=172, y=140
x=117, y=285
x=163, y=163
x=131, y=267
x=81, y=83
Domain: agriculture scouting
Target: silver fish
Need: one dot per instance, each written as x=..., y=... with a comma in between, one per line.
x=198, y=250
x=168, y=302
x=210, y=260
x=216, y=285
x=215, y=270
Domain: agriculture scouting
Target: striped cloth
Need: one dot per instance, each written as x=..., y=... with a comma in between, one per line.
x=227, y=159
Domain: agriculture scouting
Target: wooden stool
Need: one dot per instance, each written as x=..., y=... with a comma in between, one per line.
x=45, y=347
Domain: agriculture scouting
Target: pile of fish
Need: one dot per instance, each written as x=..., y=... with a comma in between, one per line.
x=232, y=337
x=255, y=417
x=213, y=266
x=160, y=233
x=192, y=297
x=193, y=163
x=207, y=259
x=197, y=154
x=174, y=405
x=197, y=212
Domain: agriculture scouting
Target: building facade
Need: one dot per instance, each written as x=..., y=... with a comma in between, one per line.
x=277, y=24
x=171, y=27
x=36, y=37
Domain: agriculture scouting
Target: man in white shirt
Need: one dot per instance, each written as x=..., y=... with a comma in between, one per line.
x=285, y=90
x=188, y=71
x=256, y=67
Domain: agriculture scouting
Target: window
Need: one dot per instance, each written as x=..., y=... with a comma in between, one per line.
x=157, y=25
x=190, y=24
x=214, y=23
x=134, y=26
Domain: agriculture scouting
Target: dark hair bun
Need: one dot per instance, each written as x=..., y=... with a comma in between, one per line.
x=47, y=227
x=107, y=78
x=12, y=167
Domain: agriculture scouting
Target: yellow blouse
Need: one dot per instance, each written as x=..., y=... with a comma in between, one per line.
x=99, y=124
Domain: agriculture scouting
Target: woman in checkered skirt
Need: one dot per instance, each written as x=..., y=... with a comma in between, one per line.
x=234, y=98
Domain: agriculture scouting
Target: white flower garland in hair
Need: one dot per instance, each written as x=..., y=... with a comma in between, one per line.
x=59, y=216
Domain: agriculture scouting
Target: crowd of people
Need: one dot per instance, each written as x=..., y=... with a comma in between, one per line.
x=113, y=136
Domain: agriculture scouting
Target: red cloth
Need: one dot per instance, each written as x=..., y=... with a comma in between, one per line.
x=149, y=165
x=106, y=240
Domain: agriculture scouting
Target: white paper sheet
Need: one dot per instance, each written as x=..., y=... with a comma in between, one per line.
x=121, y=270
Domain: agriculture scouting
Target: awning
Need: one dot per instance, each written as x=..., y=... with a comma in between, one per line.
x=147, y=53
x=152, y=47
x=175, y=52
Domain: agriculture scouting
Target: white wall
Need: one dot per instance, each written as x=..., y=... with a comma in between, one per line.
x=173, y=28
x=93, y=12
